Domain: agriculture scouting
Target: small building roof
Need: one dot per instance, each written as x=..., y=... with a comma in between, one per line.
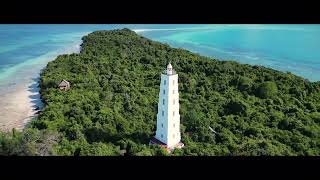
x=64, y=83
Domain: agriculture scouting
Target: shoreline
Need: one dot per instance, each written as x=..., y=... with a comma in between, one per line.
x=19, y=106
x=20, y=96
x=23, y=97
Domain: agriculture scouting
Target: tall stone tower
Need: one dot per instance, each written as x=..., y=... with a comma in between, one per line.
x=168, y=117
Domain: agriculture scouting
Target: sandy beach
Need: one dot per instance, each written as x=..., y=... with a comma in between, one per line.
x=17, y=107
x=19, y=91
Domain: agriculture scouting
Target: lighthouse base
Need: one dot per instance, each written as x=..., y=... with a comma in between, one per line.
x=163, y=145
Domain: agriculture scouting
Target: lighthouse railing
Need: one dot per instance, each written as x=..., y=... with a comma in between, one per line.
x=165, y=72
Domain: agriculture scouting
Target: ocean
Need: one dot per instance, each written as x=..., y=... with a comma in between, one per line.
x=26, y=49
x=293, y=48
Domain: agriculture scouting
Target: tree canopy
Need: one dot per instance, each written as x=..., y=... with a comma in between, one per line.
x=112, y=103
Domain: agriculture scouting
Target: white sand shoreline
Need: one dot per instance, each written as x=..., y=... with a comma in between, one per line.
x=18, y=106
x=19, y=96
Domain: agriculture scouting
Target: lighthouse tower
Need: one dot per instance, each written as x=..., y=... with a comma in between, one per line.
x=168, y=117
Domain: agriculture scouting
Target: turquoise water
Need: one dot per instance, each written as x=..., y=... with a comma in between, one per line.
x=26, y=49
x=294, y=48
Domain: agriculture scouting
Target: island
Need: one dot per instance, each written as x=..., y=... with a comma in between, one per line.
x=109, y=107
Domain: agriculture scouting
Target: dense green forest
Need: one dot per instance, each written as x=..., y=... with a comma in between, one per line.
x=112, y=104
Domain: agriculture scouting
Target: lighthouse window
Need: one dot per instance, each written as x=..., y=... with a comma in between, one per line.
x=173, y=136
x=173, y=113
x=172, y=91
x=164, y=91
x=173, y=82
x=161, y=135
x=163, y=101
x=174, y=101
x=174, y=125
x=165, y=82
x=162, y=125
x=162, y=113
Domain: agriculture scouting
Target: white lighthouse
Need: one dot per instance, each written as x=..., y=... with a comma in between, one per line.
x=168, y=118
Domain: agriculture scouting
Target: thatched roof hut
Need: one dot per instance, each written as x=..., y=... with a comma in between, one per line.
x=64, y=85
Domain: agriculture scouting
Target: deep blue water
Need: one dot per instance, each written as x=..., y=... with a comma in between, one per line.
x=25, y=49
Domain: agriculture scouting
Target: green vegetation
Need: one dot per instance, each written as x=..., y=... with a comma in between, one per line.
x=112, y=104
x=267, y=90
x=30, y=142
